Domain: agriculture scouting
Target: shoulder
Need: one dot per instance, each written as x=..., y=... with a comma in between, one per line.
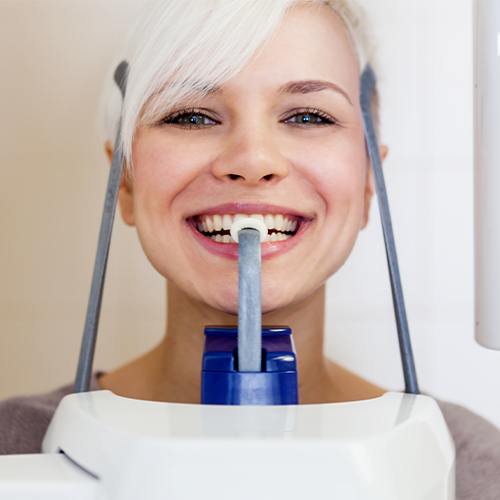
x=24, y=421
x=477, y=444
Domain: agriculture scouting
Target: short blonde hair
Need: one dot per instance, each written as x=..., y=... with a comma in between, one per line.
x=182, y=48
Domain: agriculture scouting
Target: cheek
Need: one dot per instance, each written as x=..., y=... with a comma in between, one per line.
x=344, y=185
x=337, y=169
x=160, y=169
x=163, y=169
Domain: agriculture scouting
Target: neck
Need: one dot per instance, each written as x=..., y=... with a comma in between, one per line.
x=172, y=370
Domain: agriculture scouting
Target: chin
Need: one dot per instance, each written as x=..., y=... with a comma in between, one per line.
x=275, y=297
x=274, y=307
x=224, y=301
x=273, y=300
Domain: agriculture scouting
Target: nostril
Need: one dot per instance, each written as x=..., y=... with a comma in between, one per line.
x=235, y=177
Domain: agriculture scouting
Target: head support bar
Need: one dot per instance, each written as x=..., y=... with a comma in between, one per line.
x=368, y=85
x=87, y=349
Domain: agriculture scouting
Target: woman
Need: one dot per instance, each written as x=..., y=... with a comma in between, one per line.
x=248, y=107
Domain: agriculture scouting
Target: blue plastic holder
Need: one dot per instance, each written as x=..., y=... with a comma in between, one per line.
x=223, y=384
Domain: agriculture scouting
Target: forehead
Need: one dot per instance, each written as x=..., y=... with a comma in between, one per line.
x=311, y=43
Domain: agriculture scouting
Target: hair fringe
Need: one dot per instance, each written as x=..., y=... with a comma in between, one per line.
x=175, y=61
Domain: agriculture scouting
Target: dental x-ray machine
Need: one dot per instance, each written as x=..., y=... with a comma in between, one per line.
x=250, y=438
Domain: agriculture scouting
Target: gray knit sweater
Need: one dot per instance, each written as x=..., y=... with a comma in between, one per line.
x=24, y=420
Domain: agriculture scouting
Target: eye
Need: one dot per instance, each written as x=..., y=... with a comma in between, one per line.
x=195, y=118
x=306, y=117
x=190, y=119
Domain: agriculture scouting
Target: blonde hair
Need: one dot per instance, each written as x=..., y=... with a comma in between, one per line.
x=183, y=48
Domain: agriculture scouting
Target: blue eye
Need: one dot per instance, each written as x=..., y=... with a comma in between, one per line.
x=310, y=118
x=194, y=118
x=189, y=119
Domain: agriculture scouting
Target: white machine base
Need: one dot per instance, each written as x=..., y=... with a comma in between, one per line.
x=100, y=446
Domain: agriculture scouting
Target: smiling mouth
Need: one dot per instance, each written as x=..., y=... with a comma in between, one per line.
x=216, y=227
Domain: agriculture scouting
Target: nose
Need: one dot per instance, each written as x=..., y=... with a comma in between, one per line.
x=251, y=158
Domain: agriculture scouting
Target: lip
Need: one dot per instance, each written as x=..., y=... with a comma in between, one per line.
x=269, y=249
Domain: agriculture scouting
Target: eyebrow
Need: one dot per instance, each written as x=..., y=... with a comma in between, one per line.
x=309, y=86
x=297, y=87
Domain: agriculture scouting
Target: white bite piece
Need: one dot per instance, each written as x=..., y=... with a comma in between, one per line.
x=249, y=223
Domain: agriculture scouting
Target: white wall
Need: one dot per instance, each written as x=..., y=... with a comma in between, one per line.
x=425, y=52
x=54, y=54
x=53, y=171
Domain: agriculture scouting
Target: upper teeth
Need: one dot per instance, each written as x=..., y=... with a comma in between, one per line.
x=279, y=222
